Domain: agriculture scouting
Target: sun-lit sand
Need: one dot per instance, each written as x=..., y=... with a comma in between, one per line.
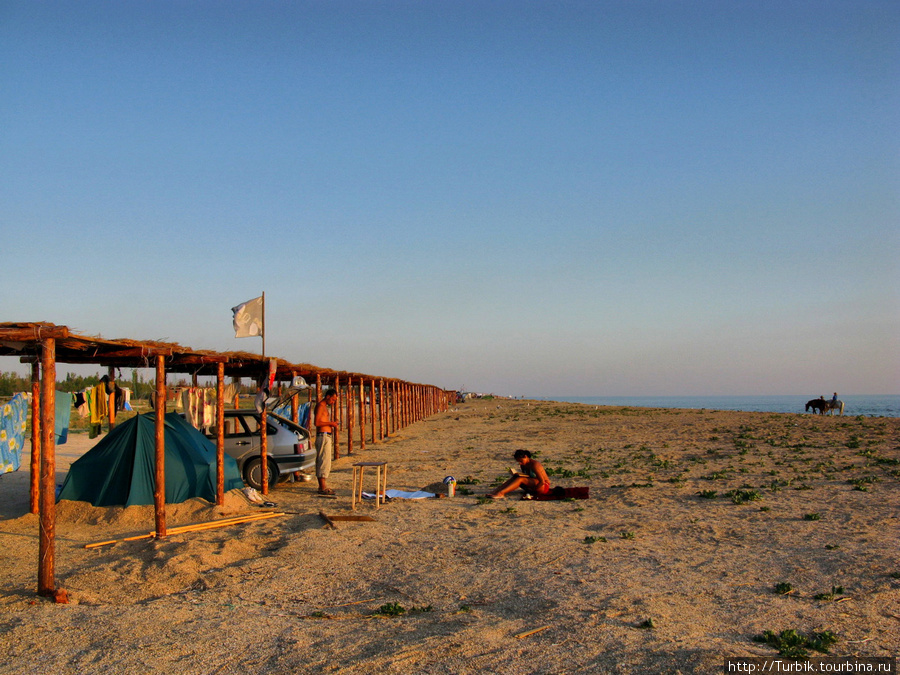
x=693, y=519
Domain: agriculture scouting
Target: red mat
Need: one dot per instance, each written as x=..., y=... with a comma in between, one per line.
x=557, y=493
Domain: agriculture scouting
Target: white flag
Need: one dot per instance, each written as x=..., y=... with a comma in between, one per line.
x=248, y=318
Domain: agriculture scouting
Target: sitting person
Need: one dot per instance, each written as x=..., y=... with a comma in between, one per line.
x=532, y=479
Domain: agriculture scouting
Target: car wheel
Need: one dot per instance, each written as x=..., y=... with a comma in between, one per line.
x=253, y=475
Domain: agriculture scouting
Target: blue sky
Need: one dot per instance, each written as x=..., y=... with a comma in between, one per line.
x=528, y=198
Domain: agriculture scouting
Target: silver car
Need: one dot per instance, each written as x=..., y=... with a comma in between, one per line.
x=287, y=446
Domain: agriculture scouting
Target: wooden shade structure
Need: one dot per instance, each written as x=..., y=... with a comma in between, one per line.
x=43, y=345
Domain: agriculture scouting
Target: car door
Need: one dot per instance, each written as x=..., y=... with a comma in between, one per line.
x=241, y=436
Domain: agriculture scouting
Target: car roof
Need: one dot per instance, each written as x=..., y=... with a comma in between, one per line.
x=250, y=411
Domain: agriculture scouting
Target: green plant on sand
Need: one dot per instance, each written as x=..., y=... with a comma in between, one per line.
x=391, y=609
x=794, y=645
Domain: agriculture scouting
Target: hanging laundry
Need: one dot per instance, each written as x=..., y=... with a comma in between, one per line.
x=12, y=433
x=198, y=405
x=126, y=398
x=188, y=405
x=231, y=390
x=99, y=408
x=93, y=414
x=61, y=416
x=302, y=413
x=209, y=408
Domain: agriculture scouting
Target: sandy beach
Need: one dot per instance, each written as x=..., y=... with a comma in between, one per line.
x=694, y=519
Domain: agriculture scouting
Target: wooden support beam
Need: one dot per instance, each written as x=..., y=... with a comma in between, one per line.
x=351, y=402
x=159, y=488
x=362, y=414
x=382, y=417
x=220, y=434
x=47, y=536
x=407, y=404
x=36, y=333
x=111, y=398
x=394, y=407
x=295, y=403
x=372, y=408
x=34, y=506
x=336, y=416
x=264, y=450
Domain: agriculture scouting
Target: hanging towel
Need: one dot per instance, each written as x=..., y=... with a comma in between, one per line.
x=12, y=433
x=62, y=415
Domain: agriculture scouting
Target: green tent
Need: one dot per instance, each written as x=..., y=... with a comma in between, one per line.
x=120, y=469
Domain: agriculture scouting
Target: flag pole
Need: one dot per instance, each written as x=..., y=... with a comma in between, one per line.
x=264, y=324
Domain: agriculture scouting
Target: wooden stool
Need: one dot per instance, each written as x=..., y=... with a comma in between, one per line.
x=380, y=482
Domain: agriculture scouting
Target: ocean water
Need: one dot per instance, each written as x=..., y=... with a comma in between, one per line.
x=869, y=406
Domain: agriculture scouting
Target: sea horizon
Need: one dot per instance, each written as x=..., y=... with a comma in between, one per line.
x=868, y=405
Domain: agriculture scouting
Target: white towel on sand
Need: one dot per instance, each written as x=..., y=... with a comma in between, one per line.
x=399, y=494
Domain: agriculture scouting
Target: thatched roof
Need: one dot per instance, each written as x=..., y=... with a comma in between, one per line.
x=24, y=340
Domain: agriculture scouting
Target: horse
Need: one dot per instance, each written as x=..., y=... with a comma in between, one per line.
x=831, y=406
x=818, y=405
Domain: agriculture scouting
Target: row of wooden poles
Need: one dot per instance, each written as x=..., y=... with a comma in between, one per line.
x=383, y=406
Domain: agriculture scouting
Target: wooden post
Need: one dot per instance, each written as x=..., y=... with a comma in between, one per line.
x=47, y=535
x=388, y=408
x=313, y=432
x=395, y=405
x=362, y=414
x=350, y=404
x=159, y=489
x=295, y=404
x=407, y=403
x=111, y=397
x=382, y=422
x=220, y=434
x=35, y=436
x=376, y=412
x=372, y=408
x=264, y=450
x=336, y=416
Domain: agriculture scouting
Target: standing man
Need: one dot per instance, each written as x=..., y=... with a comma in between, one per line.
x=325, y=427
